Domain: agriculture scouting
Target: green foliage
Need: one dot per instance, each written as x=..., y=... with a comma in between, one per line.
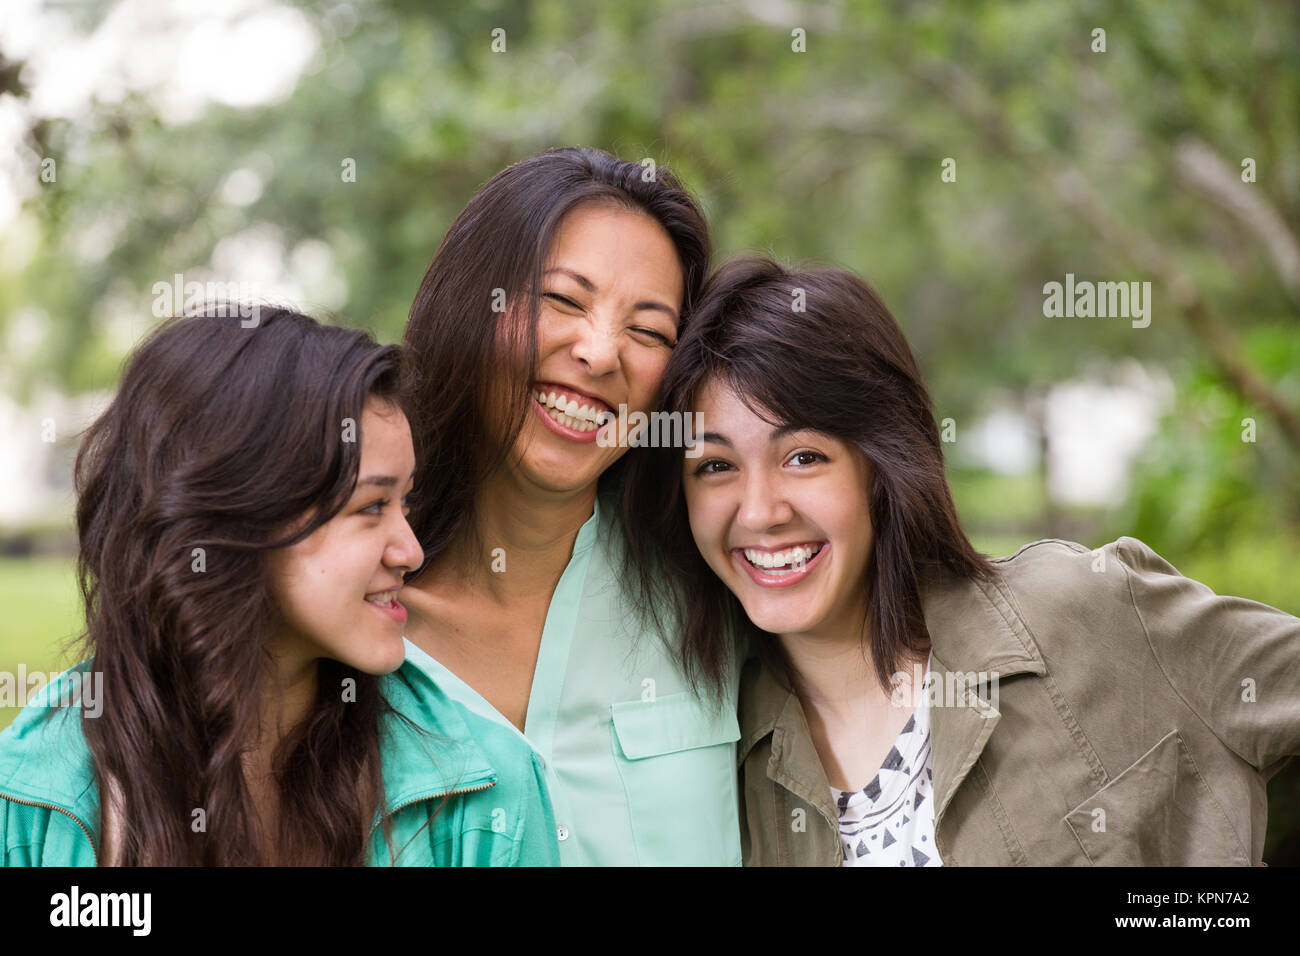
x=1211, y=479
x=832, y=155
x=42, y=613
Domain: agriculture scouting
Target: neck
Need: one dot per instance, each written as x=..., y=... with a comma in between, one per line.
x=526, y=536
x=836, y=676
x=289, y=689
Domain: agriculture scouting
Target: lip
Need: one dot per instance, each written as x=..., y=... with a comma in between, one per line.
x=785, y=581
x=395, y=613
x=572, y=434
x=544, y=386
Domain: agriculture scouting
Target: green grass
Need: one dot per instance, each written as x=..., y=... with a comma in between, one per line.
x=42, y=611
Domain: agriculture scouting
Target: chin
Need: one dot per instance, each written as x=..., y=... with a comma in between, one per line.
x=386, y=656
x=783, y=621
x=556, y=474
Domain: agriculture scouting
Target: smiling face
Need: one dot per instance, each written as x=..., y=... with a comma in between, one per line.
x=782, y=518
x=611, y=296
x=335, y=588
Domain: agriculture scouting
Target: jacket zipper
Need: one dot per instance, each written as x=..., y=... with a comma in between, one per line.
x=66, y=813
x=433, y=796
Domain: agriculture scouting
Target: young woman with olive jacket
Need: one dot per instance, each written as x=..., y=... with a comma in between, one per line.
x=912, y=703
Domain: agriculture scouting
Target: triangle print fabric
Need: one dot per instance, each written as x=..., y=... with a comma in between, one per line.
x=890, y=821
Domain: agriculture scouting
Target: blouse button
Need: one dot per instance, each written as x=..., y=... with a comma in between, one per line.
x=562, y=832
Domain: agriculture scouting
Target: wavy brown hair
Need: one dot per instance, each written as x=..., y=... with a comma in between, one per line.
x=457, y=370
x=840, y=366
x=222, y=438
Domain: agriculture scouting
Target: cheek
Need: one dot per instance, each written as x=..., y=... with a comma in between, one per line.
x=323, y=569
x=296, y=590
x=855, y=524
x=645, y=372
x=700, y=506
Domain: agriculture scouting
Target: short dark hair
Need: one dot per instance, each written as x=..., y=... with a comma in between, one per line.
x=817, y=349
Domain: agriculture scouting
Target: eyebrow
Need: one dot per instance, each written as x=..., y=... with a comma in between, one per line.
x=590, y=286
x=383, y=481
x=779, y=432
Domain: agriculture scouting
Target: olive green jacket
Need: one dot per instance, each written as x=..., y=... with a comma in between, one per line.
x=1127, y=715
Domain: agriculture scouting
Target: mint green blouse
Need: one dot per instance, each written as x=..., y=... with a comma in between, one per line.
x=640, y=770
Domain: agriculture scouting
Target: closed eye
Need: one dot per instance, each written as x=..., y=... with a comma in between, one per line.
x=658, y=335
x=562, y=299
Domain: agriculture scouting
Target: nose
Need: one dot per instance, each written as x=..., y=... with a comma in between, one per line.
x=764, y=503
x=404, y=551
x=595, y=347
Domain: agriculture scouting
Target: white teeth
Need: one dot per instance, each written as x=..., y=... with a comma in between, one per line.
x=795, y=557
x=569, y=413
x=383, y=597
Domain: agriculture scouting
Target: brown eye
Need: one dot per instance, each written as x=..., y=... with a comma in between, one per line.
x=815, y=456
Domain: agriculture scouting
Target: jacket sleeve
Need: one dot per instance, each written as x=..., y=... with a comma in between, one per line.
x=1234, y=662
x=535, y=839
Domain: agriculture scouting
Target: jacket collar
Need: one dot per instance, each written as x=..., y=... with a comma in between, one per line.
x=974, y=630
x=44, y=757
x=438, y=756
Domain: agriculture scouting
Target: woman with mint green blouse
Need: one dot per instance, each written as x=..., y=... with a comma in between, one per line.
x=542, y=327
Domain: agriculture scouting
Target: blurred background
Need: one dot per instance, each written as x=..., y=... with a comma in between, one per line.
x=959, y=156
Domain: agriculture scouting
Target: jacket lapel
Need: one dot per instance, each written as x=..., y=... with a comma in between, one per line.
x=977, y=640
x=795, y=763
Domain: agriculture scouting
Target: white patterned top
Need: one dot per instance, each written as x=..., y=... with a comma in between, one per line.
x=890, y=821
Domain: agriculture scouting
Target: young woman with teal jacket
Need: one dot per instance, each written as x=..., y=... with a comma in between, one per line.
x=244, y=699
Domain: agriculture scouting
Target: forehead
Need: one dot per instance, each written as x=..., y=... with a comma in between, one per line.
x=722, y=405
x=384, y=429
x=726, y=415
x=614, y=246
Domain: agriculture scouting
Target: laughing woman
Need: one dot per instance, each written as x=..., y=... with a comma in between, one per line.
x=555, y=300
x=912, y=702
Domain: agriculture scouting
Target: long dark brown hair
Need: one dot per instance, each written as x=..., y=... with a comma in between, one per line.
x=840, y=365
x=495, y=252
x=222, y=438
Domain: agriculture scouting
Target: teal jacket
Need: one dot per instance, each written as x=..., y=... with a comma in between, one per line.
x=498, y=811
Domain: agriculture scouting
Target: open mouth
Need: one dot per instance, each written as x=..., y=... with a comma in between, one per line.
x=783, y=568
x=781, y=563
x=386, y=602
x=574, y=410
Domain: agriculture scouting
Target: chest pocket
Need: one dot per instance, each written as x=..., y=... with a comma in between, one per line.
x=1158, y=812
x=676, y=757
